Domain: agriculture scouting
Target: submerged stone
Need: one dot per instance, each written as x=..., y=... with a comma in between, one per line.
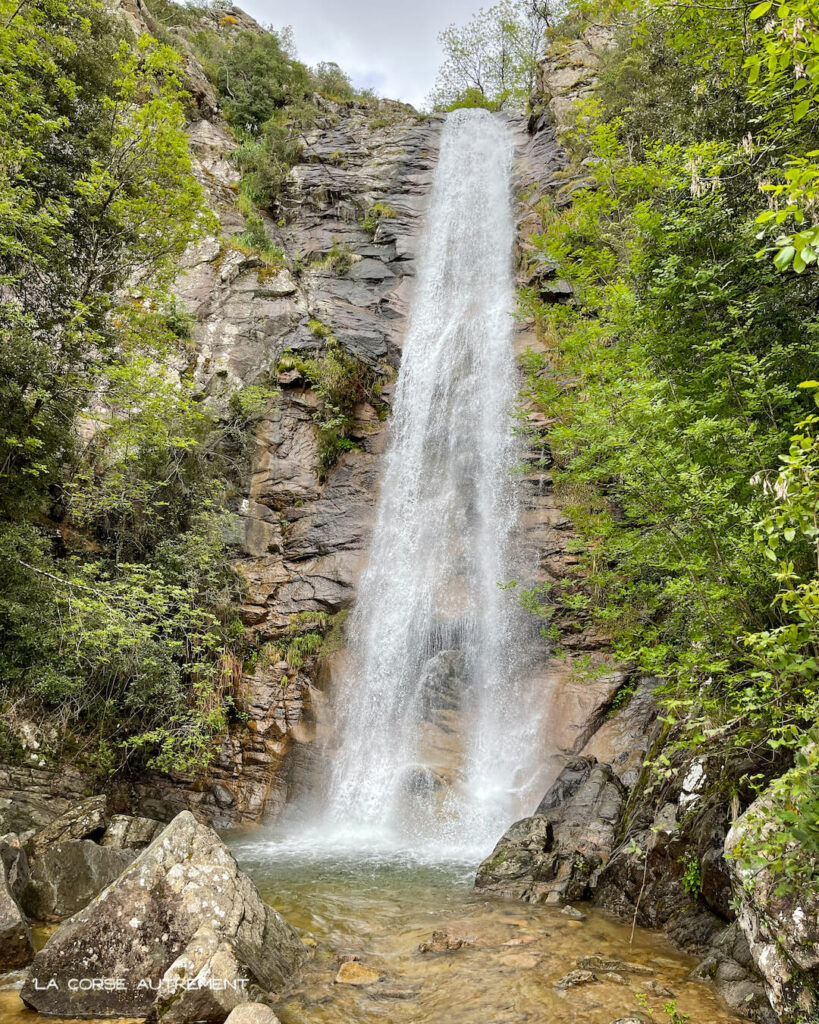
x=355, y=973
x=252, y=1013
x=575, y=978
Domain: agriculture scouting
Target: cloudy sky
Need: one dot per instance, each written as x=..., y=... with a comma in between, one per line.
x=388, y=45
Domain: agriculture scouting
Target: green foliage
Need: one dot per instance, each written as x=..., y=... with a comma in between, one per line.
x=332, y=82
x=672, y=382
x=341, y=381
x=307, y=634
x=340, y=257
x=133, y=654
x=114, y=619
x=674, y=1015
x=92, y=193
x=257, y=78
x=375, y=214
x=784, y=74
x=471, y=99
x=692, y=875
x=492, y=60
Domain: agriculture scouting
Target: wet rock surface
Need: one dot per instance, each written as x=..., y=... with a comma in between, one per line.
x=16, y=943
x=252, y=1013
x=553, y=855
x=354, y=973
x=182, y=913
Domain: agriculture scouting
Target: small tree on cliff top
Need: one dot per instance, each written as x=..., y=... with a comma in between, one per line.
x=494, y=56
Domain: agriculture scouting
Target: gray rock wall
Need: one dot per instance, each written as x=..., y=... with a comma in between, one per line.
x=301, y=537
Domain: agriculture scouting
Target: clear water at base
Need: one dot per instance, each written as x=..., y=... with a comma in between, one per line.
x=381, y=907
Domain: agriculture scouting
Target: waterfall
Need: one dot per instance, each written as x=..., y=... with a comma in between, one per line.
x=433, y=635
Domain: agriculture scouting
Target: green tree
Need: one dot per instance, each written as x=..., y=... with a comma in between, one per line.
x=111, y=624
x=493, y=56
x=258, y=78
x=673, y=379
x=330, y=80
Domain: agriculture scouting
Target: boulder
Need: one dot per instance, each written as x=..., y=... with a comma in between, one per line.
x=575, y=978
x=16, y=946
x=181, y=935
x=781, y=928
x=14, y=864
x=68, y=875
x=553, y=856
x=210, y=978
x=126, y=832
x=84, y=820
x=523, y=862
x=252, y=1013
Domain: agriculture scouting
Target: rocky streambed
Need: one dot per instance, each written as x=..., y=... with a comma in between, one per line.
x=169, y=924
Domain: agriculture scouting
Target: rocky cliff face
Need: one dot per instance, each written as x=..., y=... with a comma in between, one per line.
x=301, y=534
x=360, y=190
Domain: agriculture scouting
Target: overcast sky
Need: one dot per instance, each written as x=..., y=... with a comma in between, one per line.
x=388, y=45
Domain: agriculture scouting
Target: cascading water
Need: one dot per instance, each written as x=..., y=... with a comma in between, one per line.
x=433, y=634
x=438, y=700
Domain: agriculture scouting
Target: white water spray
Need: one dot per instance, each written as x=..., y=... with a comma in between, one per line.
x=433, y=635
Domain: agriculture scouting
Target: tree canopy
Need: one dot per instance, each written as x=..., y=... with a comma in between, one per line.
x=492, y=60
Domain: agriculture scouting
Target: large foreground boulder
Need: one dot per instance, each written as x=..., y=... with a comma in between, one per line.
x=782, y=928
x=182, y=935
x=551, y=856
x=16, y=946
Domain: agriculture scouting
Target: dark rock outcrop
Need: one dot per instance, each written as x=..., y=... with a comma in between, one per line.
x=553, y=856
x=183, y=933
x=16, y=944
x=66, y=876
